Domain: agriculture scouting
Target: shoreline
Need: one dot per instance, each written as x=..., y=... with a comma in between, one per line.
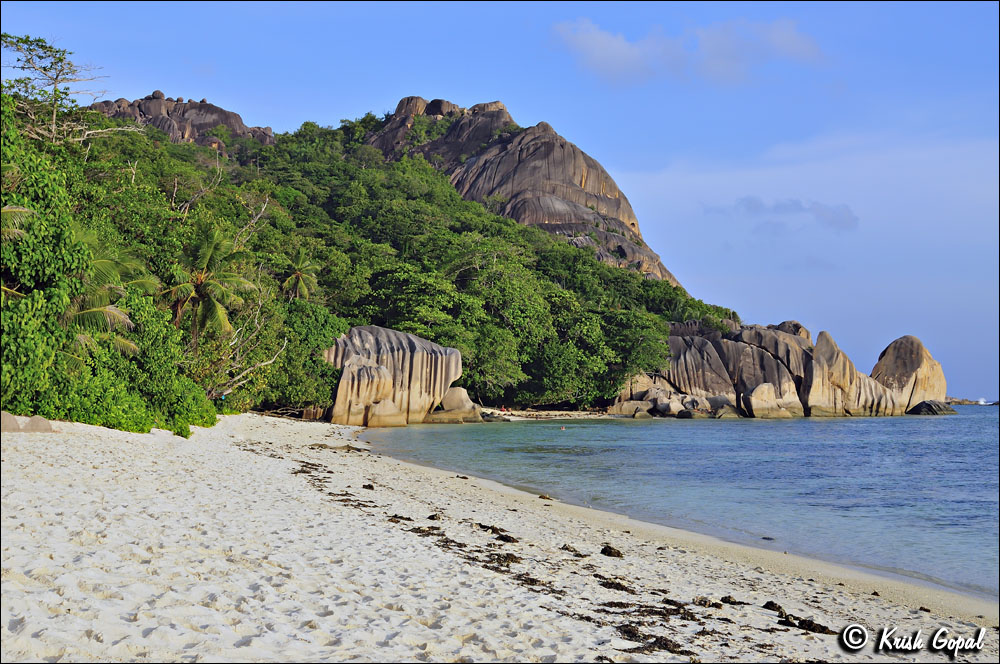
x=849, y=569
x=907, y=590
x=271, y=539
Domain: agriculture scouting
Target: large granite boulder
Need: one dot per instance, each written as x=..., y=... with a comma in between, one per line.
x=697, y=370
x=932, y=407
x=532, y=175
x=183, y=122
x=456, y=408
x=389, y=378
x=833, y=387
x=751, y=367
x=630, y=408
x=909, y=371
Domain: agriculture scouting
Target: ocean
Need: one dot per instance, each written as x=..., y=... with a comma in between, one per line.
x=910, y=496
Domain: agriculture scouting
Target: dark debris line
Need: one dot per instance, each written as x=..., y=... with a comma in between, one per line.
x=636, y=615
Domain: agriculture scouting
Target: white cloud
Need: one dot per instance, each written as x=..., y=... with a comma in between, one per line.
x=837, y=217
x=722, y=52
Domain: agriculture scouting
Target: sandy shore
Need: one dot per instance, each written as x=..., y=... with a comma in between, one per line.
x=264, y=538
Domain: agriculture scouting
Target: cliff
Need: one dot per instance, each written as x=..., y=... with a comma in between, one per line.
x=532, y=175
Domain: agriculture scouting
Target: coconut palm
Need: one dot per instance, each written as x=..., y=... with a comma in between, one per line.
x=206, y=283
x=302, y=281
x=93, y=315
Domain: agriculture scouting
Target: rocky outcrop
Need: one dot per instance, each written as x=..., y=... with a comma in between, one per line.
x=391, y=378
x=909, y=371
x=532, y=175
x=183, y=121
x=932, y=407
x=776, y=372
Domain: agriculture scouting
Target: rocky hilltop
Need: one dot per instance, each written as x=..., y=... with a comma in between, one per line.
x=532, y=175
x=776, y=372
x=183, y=121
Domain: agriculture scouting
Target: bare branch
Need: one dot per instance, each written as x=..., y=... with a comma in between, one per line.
x=245, y=233
x=244, y=377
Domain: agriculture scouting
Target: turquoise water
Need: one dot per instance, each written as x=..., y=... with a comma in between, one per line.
x=916, y=496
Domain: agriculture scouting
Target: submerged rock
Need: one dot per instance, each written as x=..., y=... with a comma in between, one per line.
x=932, y=407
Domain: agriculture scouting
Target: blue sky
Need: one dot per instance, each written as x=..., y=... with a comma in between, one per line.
x=832, y=163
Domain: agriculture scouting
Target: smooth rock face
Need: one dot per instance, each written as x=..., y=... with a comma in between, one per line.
x=932, y=407
x=8, y=423
x=184, y=122
x=776, y=371
x=534, y=175
x=696, y=369
x=762, y=403
x=909, y=371
x=833, y=387
x=383, y=367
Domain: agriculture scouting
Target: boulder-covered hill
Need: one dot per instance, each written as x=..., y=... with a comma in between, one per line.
x=183, y=121
x=532, y=175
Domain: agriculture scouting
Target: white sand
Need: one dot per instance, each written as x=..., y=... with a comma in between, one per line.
x=255, y=540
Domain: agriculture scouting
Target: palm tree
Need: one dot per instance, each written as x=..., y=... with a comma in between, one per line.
x=303, y=278
x=205, y=282
x=93, y=314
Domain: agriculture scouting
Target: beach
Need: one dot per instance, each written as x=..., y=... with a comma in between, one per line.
x=271, y=539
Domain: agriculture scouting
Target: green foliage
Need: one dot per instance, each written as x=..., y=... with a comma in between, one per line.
x=303, y=378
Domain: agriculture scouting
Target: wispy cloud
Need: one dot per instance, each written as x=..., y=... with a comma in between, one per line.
x=838, y=217
x=721, y=52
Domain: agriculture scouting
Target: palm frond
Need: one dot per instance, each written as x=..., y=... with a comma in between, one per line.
x=237, y=256
x=13, y=218
x=212, y=314
x=233, y=281
x=74, y=363
x=123, y=345
x=147, y=283
x=302, y=291
x=106, y=270
x=105, y=318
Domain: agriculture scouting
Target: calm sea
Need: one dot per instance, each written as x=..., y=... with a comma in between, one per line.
x=916, y=496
